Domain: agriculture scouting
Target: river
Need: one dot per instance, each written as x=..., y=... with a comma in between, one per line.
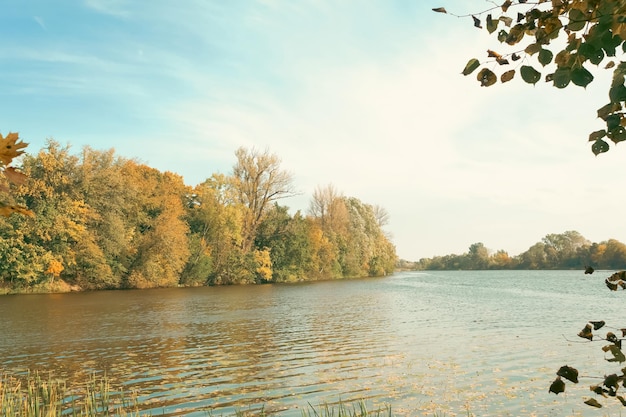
x=425, y=343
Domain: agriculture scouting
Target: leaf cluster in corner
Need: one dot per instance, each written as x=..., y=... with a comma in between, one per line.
x=593, y=31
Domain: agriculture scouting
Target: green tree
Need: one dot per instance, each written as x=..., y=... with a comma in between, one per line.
x=287, y=238
x=563, y=41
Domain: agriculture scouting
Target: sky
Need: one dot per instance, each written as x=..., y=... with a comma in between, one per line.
x=366, y=96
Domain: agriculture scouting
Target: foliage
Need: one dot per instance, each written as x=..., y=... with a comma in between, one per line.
x=10, y=148
x=567, y=250
x=103, y=221
x=567, y=40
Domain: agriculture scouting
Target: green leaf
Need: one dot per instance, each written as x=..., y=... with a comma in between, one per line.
x=617, y=134
x=581, y=77
x=545, y=56
x=502, y=35
x=557, y=386
x=492, y=25
x=486, y=77
x=569, y=373
x=529, y=74
x=562, y=77
x=606, y=110
x=471, y=65
x=533, y=48
x=612, y=122
x=577, y=20
x=617, y=93
x=593, y=54
x=477, y=22
x=599, y=147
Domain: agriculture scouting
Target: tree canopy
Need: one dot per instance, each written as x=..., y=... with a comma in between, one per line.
x=562, y=41
x=102, y=221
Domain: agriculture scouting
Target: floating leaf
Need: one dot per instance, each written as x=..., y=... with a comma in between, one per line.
x=471, y=65
x=569, y=373
x=557, y=386
x=486, y=77
x=529, y=74
x=507, y=76
x=593, y=403
x=440, y=10
x=585, y=333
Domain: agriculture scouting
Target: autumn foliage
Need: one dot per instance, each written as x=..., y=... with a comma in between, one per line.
x=103, y=221
x=562, y=42
x=10, y=148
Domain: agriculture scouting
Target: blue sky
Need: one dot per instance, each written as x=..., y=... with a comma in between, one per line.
x=364, y=95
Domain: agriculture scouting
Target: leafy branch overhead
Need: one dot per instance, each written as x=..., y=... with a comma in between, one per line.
x=593, y=31
x=10, y=148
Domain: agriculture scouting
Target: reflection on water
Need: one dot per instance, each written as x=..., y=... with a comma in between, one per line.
x=487, y=342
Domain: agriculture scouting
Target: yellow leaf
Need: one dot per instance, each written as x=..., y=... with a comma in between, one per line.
x=10, y=147
x=7, y=210
x=14, y=176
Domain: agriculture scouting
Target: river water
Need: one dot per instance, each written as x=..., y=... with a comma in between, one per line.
x=435, y=343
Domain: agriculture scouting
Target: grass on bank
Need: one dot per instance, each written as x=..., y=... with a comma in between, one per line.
x=35, y=396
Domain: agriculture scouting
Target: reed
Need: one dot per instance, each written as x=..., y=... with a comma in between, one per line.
x=36, y=396
x=358, y=409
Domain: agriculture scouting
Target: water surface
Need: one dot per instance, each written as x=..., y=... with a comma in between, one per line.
x=446, y=342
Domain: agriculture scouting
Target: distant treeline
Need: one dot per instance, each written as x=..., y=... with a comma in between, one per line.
x=102, y=221
x=569, y=250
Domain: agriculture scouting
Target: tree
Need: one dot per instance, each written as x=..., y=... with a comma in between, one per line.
x=564, y=39
x=258, y=181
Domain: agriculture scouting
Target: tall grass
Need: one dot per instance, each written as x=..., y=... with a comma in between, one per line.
x=342, y=410
x=35, y=396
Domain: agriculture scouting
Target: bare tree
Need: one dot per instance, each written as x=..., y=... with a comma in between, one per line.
x=258, y=181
